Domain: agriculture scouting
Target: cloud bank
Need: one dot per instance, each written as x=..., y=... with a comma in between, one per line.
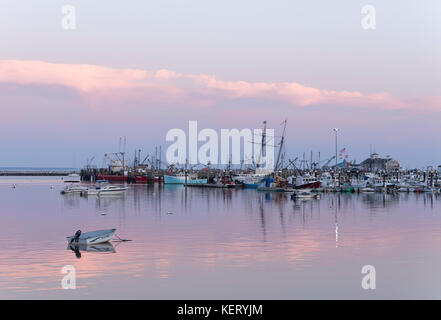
x=165, y=86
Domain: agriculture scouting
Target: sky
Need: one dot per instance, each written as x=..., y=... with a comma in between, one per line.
x=140, y=68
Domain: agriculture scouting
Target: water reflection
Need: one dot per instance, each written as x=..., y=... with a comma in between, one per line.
x=103, y=204
x=215, y=238
x=71, y=200
x=101, y=247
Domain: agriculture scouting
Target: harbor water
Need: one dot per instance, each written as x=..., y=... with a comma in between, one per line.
x=191, y=243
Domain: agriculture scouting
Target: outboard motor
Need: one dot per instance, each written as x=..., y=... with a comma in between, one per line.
x=76, y=236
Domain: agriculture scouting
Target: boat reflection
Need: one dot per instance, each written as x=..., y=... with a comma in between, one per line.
x=100, y=247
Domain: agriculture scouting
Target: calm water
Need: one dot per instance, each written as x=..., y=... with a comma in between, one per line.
x=218, y=244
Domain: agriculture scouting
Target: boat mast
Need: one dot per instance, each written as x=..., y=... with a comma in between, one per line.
x=262, y=144
x=281, y=145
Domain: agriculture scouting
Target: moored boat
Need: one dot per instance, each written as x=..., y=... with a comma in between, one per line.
x=72, y=178
x=180, y=179
x=92, y=237
x=111, y=190
x=112, y=177
x=307, y=182
x=94, y=191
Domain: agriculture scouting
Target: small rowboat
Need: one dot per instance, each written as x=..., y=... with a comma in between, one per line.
x=93, y=237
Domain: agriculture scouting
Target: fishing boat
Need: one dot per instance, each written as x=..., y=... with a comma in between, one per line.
x=253, y=181
x=92, y=237
x=240, y=178
x=367, y=190
x=358, y=185
x=112, y=177
x=180, y=179
x=347, y=188
x=307, y=182
x=252, y=185
x=141, y=178
x=73, y=189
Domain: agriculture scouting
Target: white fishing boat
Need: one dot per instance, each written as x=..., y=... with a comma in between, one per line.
x=90, y=238
x=367, y=190
x=73, y=189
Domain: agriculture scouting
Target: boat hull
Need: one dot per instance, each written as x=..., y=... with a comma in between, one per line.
x=111, y=177
x=252, y=185
x=181, y=180
x=312, y=185
x=94, y=237
x=104, y=192
x=141, y=179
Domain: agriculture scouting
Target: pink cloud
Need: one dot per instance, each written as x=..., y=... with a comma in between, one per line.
x=165, y=86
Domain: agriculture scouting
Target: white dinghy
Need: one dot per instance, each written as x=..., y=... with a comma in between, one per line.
x=92, y=237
